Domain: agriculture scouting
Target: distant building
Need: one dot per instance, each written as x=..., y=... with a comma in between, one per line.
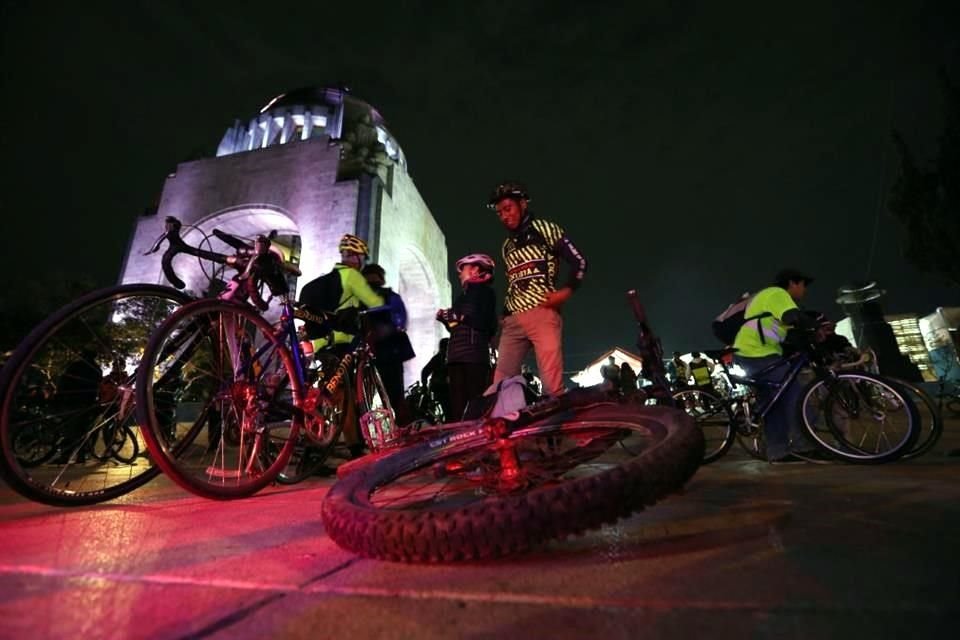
x=313, y=164
x=941, y=334
x=590, y=375
x=930, y=342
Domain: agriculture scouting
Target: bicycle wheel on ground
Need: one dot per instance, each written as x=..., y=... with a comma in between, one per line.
x=713, y=417
x=859, y=417
x=67, y=421
x=931, y=420
x=953, y=406
x=749, y=428
x=469, y=497
x=219, y=399
x=323, y=423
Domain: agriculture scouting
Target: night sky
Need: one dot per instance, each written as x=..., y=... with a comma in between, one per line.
x=690, y=149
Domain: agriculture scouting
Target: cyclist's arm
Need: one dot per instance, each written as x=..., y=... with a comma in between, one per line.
x=561, y=244
x=356, y=285
x=399, y=312
x=575, y=259
x=798, y=319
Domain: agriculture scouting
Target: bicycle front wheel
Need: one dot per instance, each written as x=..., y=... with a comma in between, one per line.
x=464, y=496
x=931, y=420
x=67, y=421
x=859, y=417
x=220, y=399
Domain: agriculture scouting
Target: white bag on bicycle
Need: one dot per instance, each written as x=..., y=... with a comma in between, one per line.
x=512, y=395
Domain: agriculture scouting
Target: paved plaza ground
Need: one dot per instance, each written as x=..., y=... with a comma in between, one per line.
x=748, y=550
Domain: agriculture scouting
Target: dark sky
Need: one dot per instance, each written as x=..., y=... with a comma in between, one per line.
x=689, y=148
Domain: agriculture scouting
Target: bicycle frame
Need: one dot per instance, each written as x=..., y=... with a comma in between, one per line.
x=799, y=362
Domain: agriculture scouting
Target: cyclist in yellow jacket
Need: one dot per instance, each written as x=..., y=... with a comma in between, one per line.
x=759, y=343
x=344, y=288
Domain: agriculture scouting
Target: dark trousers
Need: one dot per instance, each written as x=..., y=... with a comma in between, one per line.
x=468, y=380
x=783, y=427
x=391, y=372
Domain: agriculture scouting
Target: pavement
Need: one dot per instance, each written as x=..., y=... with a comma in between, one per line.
x=749, y=550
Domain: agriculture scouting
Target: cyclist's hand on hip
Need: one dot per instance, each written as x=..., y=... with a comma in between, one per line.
x=556, y=299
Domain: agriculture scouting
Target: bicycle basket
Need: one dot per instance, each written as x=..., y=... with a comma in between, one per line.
x=379, y=429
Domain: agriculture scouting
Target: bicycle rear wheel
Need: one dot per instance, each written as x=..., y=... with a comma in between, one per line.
x=323, y=423
x=713, y=417
x=859, y=417
x=371, y=394
x=460, y=497
x=69, y=385
x=931, y=420
x=220, y=400
x=749, y=427
x=953, y=406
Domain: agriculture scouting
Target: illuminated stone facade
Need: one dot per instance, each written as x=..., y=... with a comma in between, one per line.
x=313, y=165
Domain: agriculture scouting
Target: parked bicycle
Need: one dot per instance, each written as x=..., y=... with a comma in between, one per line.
x=424, y=407
x=498, y=485
x=850, y=415
x=67, y=429
x=931, y=413
x=226, y=398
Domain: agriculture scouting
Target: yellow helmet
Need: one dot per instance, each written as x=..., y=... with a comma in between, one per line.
x=353, y=244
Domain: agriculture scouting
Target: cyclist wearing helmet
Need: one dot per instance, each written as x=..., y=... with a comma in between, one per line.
x=472, y=322
x=342, y=289
x=532, y=253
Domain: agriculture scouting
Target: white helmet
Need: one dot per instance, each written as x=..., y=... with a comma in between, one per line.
x=482, y=260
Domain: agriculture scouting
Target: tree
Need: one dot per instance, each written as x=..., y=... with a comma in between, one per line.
x=26, y=303
x=927, y=201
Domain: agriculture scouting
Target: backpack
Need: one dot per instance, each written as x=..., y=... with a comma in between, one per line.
x=321, y=294
x=728, y=323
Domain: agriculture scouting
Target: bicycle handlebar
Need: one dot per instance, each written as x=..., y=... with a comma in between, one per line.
x=254, y=263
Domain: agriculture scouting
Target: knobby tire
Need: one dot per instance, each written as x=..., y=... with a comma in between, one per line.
x=501, y=524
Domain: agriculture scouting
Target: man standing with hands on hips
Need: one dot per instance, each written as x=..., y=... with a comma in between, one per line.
x=532, y=253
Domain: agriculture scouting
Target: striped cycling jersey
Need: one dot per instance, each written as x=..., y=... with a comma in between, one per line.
x=531, y=256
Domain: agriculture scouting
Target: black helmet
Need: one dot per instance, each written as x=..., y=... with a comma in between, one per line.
x=508, y=189
x=374, y=269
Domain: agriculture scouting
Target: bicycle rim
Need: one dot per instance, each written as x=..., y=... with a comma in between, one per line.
x=859, y=417
x=371, y=394
x=712, y=415
x=931, y=420
x=749, y=429
x=69, y=383
x=221, y=400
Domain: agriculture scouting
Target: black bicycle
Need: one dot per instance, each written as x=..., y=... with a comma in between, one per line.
x=853, y=416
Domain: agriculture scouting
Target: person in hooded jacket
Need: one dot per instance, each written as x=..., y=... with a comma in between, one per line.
x=472, y=322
